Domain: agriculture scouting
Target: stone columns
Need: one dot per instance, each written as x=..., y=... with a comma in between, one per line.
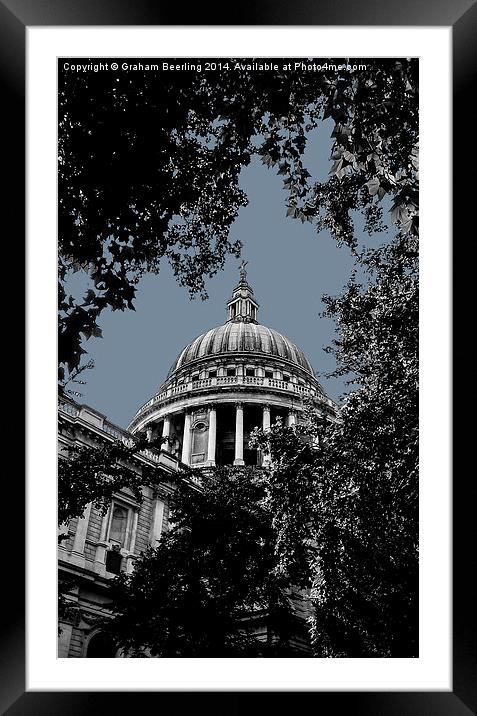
x=239, y=434
x=132, y=543
x=132, y=540
x=64, y=640
x=156, y=525
x=291, y=418
x=266, y=417
x=265, y=426
x=212, y=435
x=100, y=557
x=166, y=431
x=186, y=440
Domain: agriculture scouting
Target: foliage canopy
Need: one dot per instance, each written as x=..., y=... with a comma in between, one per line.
x=214, y=568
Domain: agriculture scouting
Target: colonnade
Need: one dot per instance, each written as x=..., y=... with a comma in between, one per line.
x=212, y=432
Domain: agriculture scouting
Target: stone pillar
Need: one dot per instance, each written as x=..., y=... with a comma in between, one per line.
x=149, y=433
x=132, y=543
x=186, y=440
x=166, y=431
x=239, y=434
x=156, y=526
x=266, y=417
x=64, y=640
x=104, y=525
x=130, y=559
x=100, y=556
x=291, y=418
x=77, y=551
x=265, y=426
x=212, y=435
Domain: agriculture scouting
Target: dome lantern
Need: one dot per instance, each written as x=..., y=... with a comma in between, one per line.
x=242, y=307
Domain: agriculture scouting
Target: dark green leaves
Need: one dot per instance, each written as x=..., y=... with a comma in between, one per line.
x=215, y=567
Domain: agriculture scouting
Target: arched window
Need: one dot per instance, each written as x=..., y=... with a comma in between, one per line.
x=199, y=442
x=119, y=519
x=101, y=646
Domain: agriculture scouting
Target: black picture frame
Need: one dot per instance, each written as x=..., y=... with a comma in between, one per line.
x=15, y=17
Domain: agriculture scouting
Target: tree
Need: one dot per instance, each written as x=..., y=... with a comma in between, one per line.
x=346, y=506
x=193, y=595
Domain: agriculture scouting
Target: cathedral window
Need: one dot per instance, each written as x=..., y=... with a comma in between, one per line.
x=199, y=442
x=230, y=371
x=250, y=372
x=269, y=374
x=212, y=374
x=117, y=529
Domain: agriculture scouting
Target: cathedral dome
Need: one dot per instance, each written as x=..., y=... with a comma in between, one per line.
x=241, y=337
x=241, y=334
x=241, y=366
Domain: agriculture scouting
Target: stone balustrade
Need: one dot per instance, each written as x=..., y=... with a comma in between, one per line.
x=68, y=408
x=115, y=432
x=221, y=381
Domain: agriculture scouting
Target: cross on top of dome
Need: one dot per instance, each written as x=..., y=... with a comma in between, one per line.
x=242, y=307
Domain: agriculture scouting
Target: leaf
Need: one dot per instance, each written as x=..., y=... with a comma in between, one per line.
x=373, y=186
x=89, y=296
x=336, y=167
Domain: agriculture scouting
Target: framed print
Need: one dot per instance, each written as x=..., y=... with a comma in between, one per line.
x=198, y=420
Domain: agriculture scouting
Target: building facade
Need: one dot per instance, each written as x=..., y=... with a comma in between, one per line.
x=224, y=384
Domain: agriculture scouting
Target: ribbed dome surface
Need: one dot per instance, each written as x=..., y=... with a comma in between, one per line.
x=241, y=337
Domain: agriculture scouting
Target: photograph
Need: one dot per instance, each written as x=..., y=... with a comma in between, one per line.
x=240, y=230
x=238, y=373
x=243, y=291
